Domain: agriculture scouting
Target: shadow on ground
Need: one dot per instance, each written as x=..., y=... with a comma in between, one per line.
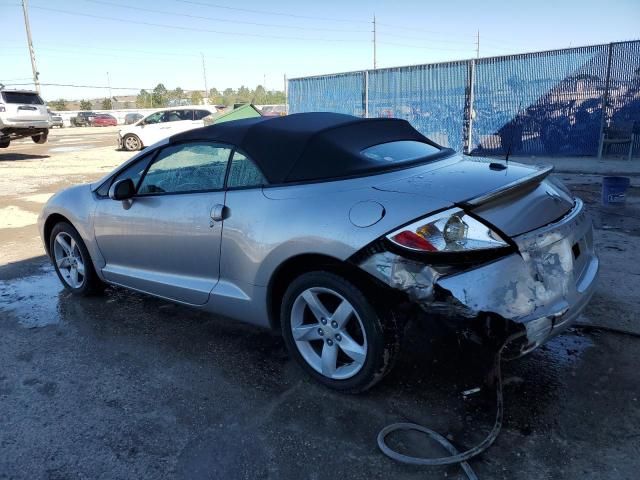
x=20, y=156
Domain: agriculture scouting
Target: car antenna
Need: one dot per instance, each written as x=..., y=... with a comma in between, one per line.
x=513, y=132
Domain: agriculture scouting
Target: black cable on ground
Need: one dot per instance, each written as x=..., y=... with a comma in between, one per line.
x=457, y=457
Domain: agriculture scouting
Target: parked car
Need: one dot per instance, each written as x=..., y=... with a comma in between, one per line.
x=55, y=120
x=337, y=230
x=161, y=124
x=104, y=120
x=274, y=110
x=131, y=118
x=83, y=119
x=22, y=114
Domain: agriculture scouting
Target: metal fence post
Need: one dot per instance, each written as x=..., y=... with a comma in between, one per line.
x=605, y=101
x=366, y=94
x=467, y=134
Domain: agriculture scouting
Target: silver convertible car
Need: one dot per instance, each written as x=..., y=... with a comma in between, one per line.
x=335, y=230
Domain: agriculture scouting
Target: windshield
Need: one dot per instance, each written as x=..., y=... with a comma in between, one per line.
x=25, y=98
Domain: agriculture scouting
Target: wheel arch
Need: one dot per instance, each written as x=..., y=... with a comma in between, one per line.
x=51, y=221
x=297, y=265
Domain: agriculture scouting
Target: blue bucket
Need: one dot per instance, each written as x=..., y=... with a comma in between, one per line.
x=614, y=190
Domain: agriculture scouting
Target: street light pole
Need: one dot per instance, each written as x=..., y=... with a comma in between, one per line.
x=32, y=53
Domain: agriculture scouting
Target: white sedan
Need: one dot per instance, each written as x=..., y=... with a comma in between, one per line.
x=161, y=124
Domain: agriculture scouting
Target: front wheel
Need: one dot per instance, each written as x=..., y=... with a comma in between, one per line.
x=335, y=334
x=131, y=143
x=72, y=261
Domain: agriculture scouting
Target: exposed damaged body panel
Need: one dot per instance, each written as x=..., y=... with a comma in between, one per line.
x=537, y=290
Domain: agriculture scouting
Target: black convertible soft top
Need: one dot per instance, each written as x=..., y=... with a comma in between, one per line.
x=309, y=146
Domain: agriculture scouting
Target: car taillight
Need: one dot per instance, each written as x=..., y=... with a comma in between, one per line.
x=448, y=231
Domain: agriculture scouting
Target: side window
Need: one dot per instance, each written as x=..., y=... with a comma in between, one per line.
x=200, y=114
x=177, y=115
x=188, y=167
x=153, y=118
x=244, y=173
x=134, y=172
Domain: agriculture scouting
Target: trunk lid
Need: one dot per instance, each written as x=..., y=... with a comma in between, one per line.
x=515, y=198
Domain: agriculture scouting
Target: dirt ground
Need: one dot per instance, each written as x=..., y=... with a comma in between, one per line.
x=127, y=386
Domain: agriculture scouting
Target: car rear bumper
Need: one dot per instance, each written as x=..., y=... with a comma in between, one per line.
x=11, y=124
x=532, y=294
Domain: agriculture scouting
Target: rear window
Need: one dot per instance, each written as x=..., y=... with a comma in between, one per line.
x=24, y=98
x=399, y=152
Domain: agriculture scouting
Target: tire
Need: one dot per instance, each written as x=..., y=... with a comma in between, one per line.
x=41, y=137
x=5, y=144
x=369, y=334
x=131, y=143
x=65, y=239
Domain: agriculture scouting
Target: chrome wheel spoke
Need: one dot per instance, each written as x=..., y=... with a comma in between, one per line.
x=329, y=360
x=63, y=262
x=306, y=333
x=80, y=266
x=315, y=306
x=74, y=276
x=63, y=243
x=351, y=348
x=342, y=314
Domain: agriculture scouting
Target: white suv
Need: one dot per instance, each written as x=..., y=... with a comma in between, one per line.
x=162, y=124
x=22, y=114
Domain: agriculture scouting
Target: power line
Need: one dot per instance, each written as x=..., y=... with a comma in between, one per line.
x=412, y=37
x=266, y=12
x=425, y=46
x=226, y=20
x=194, y=29
x=81, y=86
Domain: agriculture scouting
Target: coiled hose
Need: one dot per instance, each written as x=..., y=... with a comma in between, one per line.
x=457, y=457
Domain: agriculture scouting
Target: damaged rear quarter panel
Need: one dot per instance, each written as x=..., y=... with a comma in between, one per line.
x=545, y=279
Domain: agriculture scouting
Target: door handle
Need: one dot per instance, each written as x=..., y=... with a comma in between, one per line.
x=218, y=213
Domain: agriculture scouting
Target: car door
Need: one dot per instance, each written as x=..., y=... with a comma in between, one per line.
x=166, y=239
x=149, y=130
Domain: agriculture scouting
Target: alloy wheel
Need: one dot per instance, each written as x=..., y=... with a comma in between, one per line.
x=69, y=261
x=328, y=333
x=132, y=143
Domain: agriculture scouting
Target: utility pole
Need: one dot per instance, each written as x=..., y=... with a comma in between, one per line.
x=109, y=84
x=286, y=93
x=204, y=74
x=32, y=53
x=375, y=64
x=478, y=45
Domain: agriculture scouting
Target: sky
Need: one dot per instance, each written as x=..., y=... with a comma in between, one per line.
x=139, y=44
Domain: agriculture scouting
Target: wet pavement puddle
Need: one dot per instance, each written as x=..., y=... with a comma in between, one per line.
x=32, y=300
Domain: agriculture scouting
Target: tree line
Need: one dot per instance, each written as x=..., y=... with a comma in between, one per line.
x=160, y=96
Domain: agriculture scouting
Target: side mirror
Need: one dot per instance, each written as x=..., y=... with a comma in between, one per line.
x=122, y=190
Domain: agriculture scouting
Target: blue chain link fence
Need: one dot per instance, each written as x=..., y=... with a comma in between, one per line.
x=544, y=103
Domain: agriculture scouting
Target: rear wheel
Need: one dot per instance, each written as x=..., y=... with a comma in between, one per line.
x=131, y=143
x=4, y=143
x=72, y=262
x=41, y=137
x=335, y=334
